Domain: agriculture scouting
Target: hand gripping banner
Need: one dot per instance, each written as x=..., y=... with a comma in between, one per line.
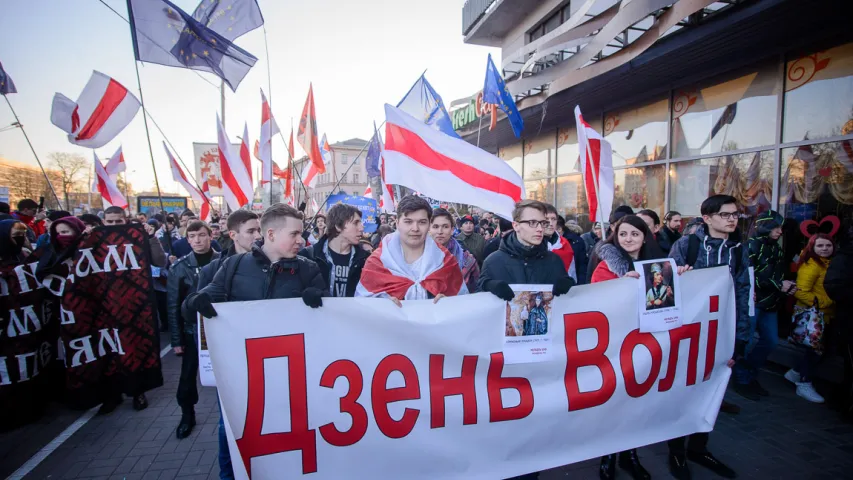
x=360, y=388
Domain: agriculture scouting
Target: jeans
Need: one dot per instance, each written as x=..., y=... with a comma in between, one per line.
x=766, y=322
x=226, y=472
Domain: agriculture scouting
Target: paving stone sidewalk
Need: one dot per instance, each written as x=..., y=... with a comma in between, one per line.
x=782, y=436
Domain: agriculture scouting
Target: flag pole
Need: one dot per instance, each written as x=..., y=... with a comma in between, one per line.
x=21, y=126
x=222, y=100
x=269, y=127
x=174, y=150
x=292, y=163
x=90, y=188
x=479, y=128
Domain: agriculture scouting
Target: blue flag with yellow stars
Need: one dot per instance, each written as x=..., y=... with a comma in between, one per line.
x=229, y=18
x=423, y=102
x=496, y=93
x=7, y=86
x=164, y=34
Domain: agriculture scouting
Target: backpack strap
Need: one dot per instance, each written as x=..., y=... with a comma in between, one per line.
x=692, y=250
x=230, y=271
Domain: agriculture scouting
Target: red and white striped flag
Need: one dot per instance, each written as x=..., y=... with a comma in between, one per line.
x=307, y=134
x=596, y=158
x=368, y=193
x=114, y=166
x=206, y=210
x=107, y=188
x=314, y=206
x=179, y=176
x=268, y=130
x=236, y=172
x=310, y=172
x=101, y=112
x=441, y=166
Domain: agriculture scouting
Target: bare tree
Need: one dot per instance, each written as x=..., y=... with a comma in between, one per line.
x=69, y=166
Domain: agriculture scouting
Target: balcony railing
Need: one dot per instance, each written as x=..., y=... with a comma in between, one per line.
x=472, y=12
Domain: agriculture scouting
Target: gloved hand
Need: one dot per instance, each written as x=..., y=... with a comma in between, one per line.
x=563, y=286
x=301, y=207
x=499, y=289
x=203, y=305
x=740, y=350
x=312, y=297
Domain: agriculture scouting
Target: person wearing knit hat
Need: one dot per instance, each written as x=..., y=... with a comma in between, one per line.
x=471, y=240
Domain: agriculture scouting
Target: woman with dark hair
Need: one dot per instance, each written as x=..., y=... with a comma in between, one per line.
x=614, y=258
x=811, y=272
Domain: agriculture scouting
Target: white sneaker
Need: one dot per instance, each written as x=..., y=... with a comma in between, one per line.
x=807, y=391
x=792, y=376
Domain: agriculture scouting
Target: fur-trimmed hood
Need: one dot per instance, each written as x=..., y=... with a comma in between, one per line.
x=616, y=262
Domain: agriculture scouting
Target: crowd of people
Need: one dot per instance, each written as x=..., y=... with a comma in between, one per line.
x=421, y=252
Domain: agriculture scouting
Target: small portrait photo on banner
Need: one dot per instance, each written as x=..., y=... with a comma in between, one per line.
x=527, y=335
x=660, y=295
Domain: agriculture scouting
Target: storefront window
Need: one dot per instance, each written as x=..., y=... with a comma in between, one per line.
x=539, y=158
x=641, y=187
x=748, y=177
x=731, y=115
x=571, y=200
x=567, y=151
x=638, y=135
x=512, y=155
x=542, y=190
x=819, y=95
x=816, y=181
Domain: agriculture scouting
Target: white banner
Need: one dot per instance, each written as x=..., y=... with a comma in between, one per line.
x=360, y=388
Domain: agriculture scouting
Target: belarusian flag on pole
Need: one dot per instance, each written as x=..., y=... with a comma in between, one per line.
x=596, y=158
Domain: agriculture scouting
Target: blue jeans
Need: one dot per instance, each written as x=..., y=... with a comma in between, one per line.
x=225, y=470
x=767, y=324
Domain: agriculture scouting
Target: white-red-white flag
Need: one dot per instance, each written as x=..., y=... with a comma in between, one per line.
x=101, y=112
x=307, y=133
x=236, y=174
x=448, y=168
x=314, y=206
x=596, y=159
x=179, y=176
x=310, y=172
x=268, y=130
x=107, y=188
x=206, y=210
x=114, y=166
x=368, y=193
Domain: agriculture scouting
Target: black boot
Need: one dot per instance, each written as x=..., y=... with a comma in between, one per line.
x=678, y=467
x=607, y=470
x=630, y=462
x=140, y=402
x=185, y=428
x=110, y=403
x=711, y=463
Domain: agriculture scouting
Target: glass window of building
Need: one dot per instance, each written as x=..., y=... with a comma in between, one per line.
x=512, y=155
x=542, y=190
x=539, y=158
x=343, y=159
x=641, y=187
x=735, y=114
x=355, y=178
x=748, y=177
x=567, y=151
x=819, y=95
x=571, y=200
x=638, y=135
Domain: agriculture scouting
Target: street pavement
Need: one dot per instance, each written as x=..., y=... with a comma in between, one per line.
x=781, y=436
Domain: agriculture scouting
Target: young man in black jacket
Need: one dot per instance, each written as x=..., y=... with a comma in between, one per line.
x=183, y=280
x=338, y=254
x=671, y=231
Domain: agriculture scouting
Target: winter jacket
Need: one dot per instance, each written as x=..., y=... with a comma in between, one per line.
x=765, y=256
x=324, y=261
x=492, y=246
x=667, y=238
x=613, y=264
x=810, y=280
x=251, y=276
x=590, y=239
x=183, y=281
x=474, y=243
x=838, y=283
x=225, y=242
x=581, y=254
x=714, y=252
x=514, y=263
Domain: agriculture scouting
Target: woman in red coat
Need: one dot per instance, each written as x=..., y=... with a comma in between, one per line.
x=630, y=241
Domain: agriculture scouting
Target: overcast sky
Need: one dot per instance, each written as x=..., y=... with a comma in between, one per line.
x=358, y=54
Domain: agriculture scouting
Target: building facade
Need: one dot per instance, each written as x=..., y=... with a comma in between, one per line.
x=748, y=98
x=347, y=166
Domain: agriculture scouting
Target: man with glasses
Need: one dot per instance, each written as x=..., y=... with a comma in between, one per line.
x=717, y=242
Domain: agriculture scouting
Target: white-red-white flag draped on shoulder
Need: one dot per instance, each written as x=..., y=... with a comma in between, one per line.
x=447, y=168
x=236, y=174
x=106, y=187
x=596, y=159
x=101, y=112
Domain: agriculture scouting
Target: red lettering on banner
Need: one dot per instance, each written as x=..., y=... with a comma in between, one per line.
x=441, y=388
x=575, y=359
x=690, y=332
x=349, y=403
x=253, y=443
x=626, y=360
x=381, y=395
x=495, y=382
x=714, y=304
x=710, y=349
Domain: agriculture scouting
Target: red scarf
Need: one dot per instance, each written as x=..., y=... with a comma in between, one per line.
x=377, y=278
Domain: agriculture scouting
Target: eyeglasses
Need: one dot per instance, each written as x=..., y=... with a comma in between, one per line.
x=536, y=223
x=727, y=215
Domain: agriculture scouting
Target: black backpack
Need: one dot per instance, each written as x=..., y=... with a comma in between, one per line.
x=693, y=246
x=232, y=267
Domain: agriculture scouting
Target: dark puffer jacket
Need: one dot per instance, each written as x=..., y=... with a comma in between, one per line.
x=666, y=239
x=183, y=281
x=356, y=265
x=251, y=276
x=765, y=256
x=514, y=263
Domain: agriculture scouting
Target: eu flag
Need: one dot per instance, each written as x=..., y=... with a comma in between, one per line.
x=422, y=101
x=374, y=154
x=496, y=93
x=229, y=18
x=7, y=86
x=164, y=34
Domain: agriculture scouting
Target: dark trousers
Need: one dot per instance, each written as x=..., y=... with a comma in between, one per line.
x=698, y=442
x=162, y=310
x=187, y=389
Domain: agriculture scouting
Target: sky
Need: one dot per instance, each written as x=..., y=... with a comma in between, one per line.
x=358, y=54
